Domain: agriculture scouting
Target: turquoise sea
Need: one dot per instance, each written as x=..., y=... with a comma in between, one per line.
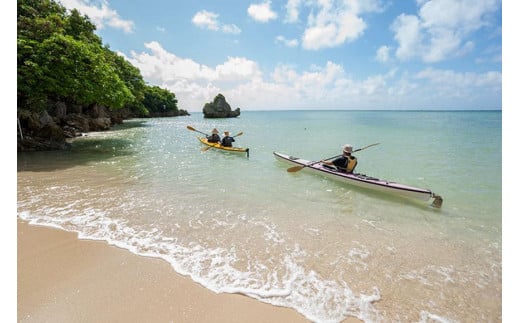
x=246, y=225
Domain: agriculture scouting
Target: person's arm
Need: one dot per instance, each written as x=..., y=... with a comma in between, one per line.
x=326, y=162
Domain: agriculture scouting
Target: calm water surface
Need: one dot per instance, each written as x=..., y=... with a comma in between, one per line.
x=245, y=225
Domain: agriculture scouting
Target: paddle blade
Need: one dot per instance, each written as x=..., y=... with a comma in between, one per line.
x=295, y=169
x=193, y=129
x=238, y=134
x=203, y=149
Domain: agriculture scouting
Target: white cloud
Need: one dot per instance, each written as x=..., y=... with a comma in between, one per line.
x=467, y=15
x=238, y=69
x=383, y=54
x=442, y=43
x=262, y=12
x=407, y=30
x=231, y=29
x=287, y=42
x=161, y=66
x=209, y=20
x=206, y=19
x=284, y=74
x=293, y=11
x=331, y=23
x=100, y=14
x=243, y=83
x=461, y=80
x=440, y=28
x=451, y=88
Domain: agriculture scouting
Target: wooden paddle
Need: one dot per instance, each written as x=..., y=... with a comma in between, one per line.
x=209, y=147
x=298, y=168
x=193, y=129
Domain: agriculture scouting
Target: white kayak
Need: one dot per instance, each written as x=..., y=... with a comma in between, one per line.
x=362, y=180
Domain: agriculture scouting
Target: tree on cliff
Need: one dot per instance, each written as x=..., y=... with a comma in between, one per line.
x=69, y=83
x=159, y=100
x=60, y=59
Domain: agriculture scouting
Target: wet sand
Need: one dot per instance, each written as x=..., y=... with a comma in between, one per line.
x=63, y=279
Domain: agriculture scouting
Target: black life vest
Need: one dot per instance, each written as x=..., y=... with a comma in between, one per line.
x=227, y=141
x=213, y=138
x=346, y=164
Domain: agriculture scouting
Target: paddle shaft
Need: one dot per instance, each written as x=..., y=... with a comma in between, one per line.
x=366, y=147
x=193, y=129
x=298, y=168
x=352, y=151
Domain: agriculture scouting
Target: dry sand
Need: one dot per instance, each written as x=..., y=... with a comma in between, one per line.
x=63, y=279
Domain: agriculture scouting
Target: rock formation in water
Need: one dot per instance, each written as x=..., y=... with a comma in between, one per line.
x=219, y=108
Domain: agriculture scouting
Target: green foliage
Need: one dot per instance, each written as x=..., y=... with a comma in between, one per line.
x=61, y=59
x=133, y=81
x=65, y=69
x=81, y=28
x=158, y=100
x=39, y=19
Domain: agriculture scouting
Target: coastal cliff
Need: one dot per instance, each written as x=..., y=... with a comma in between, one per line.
x=50, y=129
x=69, y=82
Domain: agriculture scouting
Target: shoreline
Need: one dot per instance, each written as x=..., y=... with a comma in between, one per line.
x=63, y=279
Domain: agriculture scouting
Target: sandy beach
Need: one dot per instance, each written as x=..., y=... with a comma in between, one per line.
x=63, y=279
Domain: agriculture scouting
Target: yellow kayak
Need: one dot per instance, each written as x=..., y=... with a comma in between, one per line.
x=218, y=146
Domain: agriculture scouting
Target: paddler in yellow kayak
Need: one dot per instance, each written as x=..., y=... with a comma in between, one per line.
x=227, y=140
x=214, y=138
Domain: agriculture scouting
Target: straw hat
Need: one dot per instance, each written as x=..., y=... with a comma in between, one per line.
x=347, y=149
x=214, y=131
x=226, y=133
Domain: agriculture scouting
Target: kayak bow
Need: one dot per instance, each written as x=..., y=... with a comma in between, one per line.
x=364, y=181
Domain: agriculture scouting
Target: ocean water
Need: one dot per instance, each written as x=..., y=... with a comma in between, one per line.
x=246, y=225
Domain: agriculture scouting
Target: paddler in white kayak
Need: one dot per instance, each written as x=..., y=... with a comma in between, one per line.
x=346, y=163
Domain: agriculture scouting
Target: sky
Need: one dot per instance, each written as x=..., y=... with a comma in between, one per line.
x=311, y=54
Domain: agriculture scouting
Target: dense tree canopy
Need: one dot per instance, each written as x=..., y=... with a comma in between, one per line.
x=61, y=59
x=157, y=99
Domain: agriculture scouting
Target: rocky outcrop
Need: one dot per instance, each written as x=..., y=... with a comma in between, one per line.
x=39, y=131
x=48, y=130
x=219, y=108
x=167, y=114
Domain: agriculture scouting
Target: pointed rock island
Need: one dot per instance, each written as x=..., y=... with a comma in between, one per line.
x=219, y=108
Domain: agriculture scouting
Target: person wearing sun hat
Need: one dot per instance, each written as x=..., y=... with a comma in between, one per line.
x=214, y=138
x=346, y=163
